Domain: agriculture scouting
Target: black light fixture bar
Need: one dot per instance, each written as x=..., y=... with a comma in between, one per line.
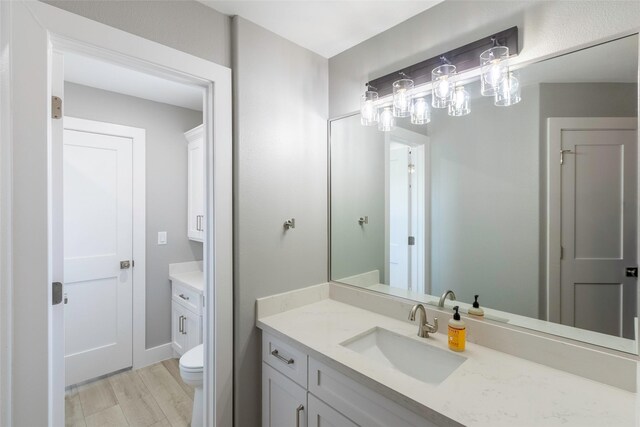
x=464, y=58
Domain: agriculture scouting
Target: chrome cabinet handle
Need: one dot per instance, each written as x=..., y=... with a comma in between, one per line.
x=184, y=325
x=180, y=324
x=284, y=359
x=299, y=409
x=183, y=297
x=199, y=219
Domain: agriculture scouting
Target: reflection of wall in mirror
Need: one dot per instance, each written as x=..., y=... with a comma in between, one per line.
x=488, y=196
x=357, y=165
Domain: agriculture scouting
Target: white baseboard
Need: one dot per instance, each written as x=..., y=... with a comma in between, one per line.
x=155, y=355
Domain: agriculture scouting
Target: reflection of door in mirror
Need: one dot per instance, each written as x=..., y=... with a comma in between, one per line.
x=596, y=209
x=407, y=239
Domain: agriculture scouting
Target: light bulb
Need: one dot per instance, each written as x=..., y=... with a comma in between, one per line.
x=420, y=113
x=459, y=105
x=368, y=109
x=386, y=122
x=443, y=87
x=402, y=97
x=494, y=67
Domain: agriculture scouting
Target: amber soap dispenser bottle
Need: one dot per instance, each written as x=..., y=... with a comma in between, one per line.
x=457, y=332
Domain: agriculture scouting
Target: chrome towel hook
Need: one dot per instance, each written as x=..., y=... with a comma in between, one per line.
x=290, y=223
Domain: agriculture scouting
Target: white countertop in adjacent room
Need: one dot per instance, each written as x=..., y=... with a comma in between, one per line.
x=490, y=388
x=188, y=274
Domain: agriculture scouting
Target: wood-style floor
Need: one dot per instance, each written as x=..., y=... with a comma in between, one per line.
x=151, y=396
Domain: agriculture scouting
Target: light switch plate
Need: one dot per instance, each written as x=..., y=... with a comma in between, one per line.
x=162, y=237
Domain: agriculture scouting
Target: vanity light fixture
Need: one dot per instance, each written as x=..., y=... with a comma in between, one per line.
x=459, y=102
x=402, y=96
x=368, y=107
x=386, y=122
x=420, y=111
x=494, y=65
x=442, y=84
x=509, y=92
x=389, y=98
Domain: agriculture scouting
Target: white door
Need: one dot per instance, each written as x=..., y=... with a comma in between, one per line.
x=98, y=227
x=598, y=227
x=399, y=217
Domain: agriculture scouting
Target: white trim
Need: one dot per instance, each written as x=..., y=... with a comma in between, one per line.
x=555, y=126
x=34, y=28
x=155, y=354
x=139, y=177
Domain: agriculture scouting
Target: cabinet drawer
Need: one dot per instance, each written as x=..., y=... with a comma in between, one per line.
x=285, y=359
x=187, y=297
x=360, y=404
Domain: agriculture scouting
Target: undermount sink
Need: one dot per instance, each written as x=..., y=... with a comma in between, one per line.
x=421, y=361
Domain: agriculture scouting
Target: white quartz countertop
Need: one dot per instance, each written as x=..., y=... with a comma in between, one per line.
x=489, y=389
x=188, y=274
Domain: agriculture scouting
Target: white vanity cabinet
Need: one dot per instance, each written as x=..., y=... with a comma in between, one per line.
x=195, y=183
x=298, y=390
x=186, y=318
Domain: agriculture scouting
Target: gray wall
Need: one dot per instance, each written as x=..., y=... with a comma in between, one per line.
x=185, y=25
x=358, y=175
x=166, y=174
x=484, y=203
x=280, y=171
x=546, y=28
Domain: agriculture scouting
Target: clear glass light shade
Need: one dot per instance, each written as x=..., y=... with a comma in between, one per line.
x=459, y=103
x=402, y=97
x=509, y=92
x=386, y=121
x=443, y=85
x=368, y=108
x=420, y=111
x=495, y=68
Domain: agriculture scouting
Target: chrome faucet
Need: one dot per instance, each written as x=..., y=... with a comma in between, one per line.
x=424, y=328
x=450, y=294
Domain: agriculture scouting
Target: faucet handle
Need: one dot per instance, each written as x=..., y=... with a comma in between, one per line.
x=434, y=328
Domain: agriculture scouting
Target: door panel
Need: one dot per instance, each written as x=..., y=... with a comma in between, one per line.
x=98, y=227
x=590, y=298
x=281, y=399
x=598, y=205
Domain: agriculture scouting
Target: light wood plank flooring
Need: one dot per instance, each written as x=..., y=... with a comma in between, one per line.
x=151, y=396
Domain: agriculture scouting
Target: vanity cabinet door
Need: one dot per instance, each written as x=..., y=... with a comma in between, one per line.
x=192, y=330
x=284, y=403
x=178, y=338
x=322, y=415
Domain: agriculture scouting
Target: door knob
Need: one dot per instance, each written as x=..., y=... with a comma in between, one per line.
x=125, y=264
x=632, y=272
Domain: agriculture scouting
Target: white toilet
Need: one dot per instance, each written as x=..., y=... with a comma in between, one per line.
x=191, y=367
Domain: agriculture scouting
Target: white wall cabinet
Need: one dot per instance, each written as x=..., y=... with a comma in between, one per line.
x=330, y=399
x=195, y=184
x=186, y=319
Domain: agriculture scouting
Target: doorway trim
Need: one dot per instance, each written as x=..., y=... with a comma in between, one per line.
x=555, y=127
x=141, y=355
x=30, y=33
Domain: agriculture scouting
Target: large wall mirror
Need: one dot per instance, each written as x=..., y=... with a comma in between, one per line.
x=481, y=204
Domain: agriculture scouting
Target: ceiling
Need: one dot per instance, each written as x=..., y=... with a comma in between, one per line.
x=114, y=78
x=326, y=27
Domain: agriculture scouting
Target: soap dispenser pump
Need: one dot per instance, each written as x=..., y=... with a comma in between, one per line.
x=476, y=310
x=457, y=332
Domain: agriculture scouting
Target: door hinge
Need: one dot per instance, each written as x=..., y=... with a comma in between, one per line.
x=561, y=252
x=56, y=107
x=412, y=241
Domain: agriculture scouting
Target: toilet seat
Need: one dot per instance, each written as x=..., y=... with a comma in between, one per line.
x=193, y=360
